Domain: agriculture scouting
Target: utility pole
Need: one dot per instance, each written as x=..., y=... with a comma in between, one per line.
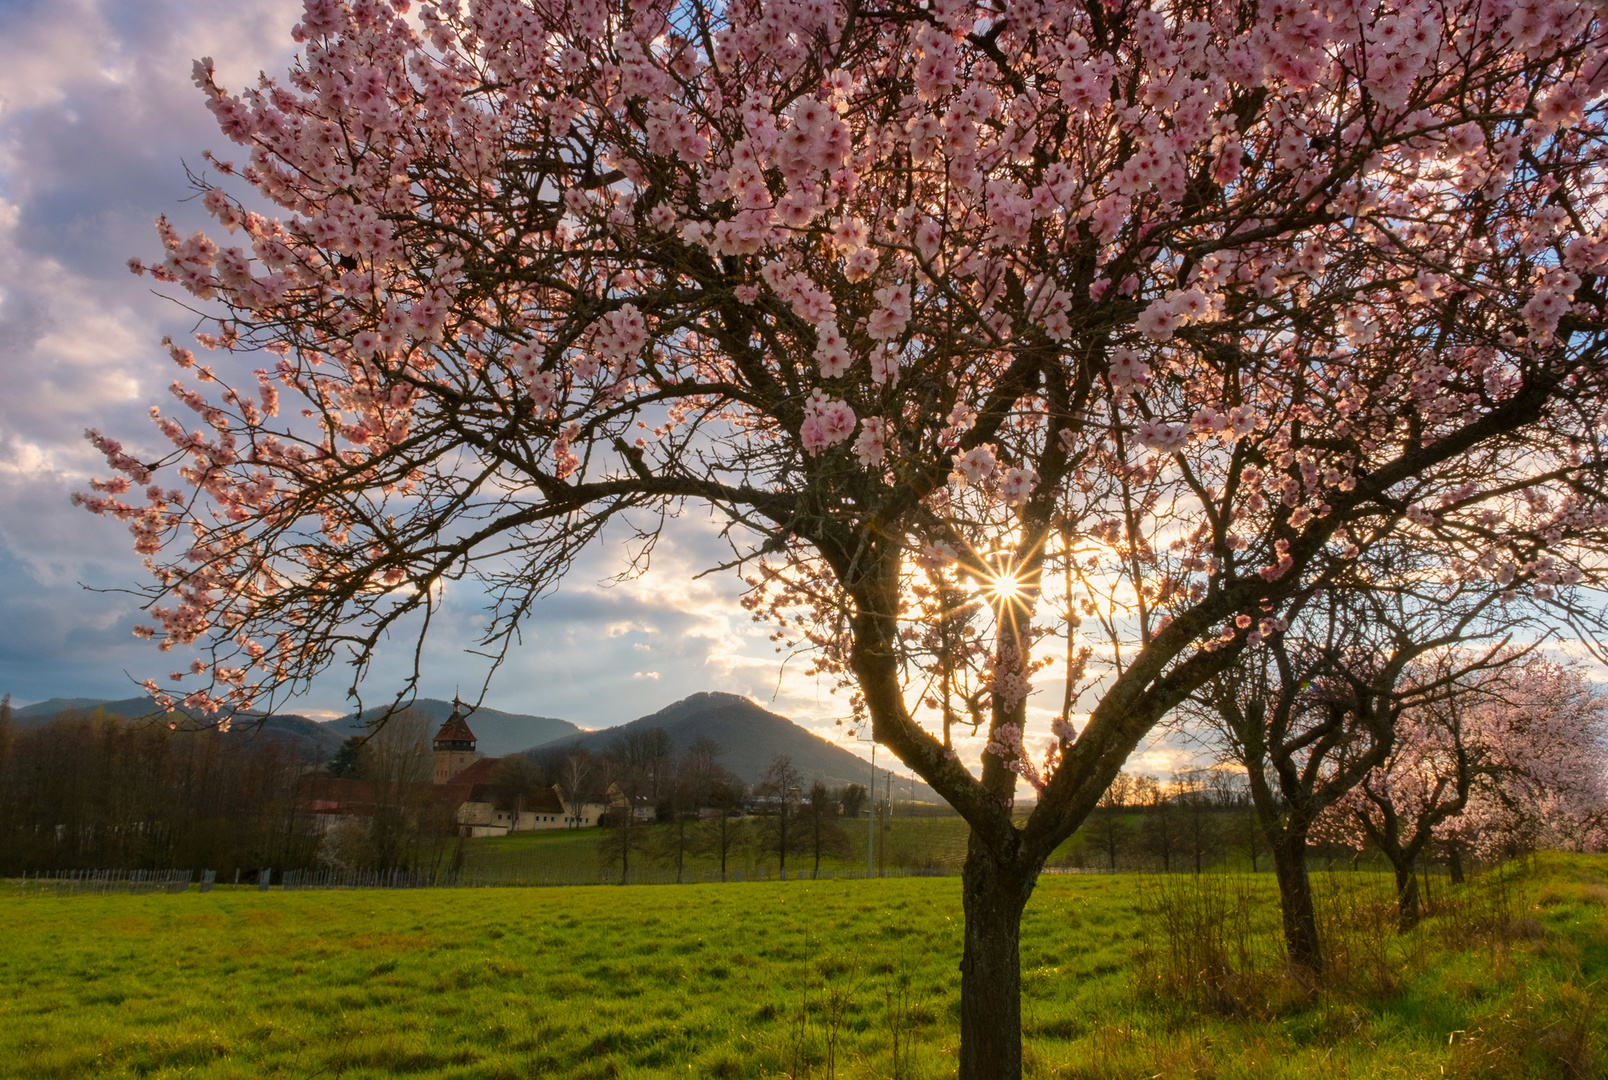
x=871, y=809
x=871, y=816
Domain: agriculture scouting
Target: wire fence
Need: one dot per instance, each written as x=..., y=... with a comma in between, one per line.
x=103, y=882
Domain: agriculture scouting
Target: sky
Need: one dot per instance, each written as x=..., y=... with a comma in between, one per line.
x=98, y=120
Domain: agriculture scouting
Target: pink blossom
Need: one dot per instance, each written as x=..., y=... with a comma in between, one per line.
x=871, y=445
x=1017, y=486
x=1127, y=369
x=831, y=352
x=890, y=319
x=849, y=234
x=827, y=422
x=1158, y=321
x=860, y=265
x=975, y=465
x=1158, y=436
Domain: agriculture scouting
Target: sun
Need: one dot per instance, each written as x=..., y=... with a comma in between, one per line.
x=1005, y=587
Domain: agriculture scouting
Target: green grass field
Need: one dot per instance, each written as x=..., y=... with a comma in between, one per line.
x=1124, y=976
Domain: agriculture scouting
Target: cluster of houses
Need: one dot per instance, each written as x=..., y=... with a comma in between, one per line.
x=465, y=784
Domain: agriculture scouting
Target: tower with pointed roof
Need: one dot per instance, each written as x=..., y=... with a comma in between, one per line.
x=454, y=746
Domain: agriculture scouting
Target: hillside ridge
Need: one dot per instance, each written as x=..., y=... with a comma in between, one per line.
x=498, y=733
x=750, y=737
x=312, y=741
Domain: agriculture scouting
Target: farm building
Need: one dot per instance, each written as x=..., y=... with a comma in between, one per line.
x=465, y=785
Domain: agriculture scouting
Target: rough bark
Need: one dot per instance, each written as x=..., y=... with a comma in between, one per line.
x=993, y=896
x=1295, y=904
x=1404, y=864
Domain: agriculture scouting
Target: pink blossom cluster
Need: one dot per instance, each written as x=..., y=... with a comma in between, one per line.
x=827, y=422
x=1518, y=757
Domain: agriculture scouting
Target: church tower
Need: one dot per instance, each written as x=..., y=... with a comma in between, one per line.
x=454, y=747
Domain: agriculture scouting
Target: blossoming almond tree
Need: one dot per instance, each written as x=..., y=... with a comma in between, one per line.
x=1318, y=711
x=1200, y=297
x=1544, y=732
x=1519, y=735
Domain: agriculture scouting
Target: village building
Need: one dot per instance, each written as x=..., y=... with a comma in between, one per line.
x=641, y=807
x=466, y=779
x=482, y=810
x=466, y=785
x=454, y=748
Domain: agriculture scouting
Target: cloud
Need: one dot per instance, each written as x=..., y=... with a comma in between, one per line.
x=97, y=121
x=97, y=117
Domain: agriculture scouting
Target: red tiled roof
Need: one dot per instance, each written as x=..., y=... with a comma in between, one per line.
x=453, y=795
x=543, y=801
x=454, y=729
x=483, y=771
x=341, y=795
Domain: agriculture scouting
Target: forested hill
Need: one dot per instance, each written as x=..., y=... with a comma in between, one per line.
x=749, y=738
x=497, y=733
x=311, y=741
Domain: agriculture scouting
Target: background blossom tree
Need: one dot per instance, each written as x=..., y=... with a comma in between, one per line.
x=1501, y=757
x=1316, y=712
x=1182, y=307
x=1446, y=746
x=1544, y=730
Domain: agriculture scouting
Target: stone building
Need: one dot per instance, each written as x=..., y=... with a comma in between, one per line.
x=454, y=748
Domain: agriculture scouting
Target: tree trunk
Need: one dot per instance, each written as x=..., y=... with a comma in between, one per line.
x=1454, y=861
x=1295, y=904
x=1406, y=894
x=993, y=897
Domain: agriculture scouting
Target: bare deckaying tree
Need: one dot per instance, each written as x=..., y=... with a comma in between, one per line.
x=781, y=790
x=725, y=832
x=823, y=836
x=574, y=773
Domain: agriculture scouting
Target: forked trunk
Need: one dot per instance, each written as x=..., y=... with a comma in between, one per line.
x=1295, y=905
x=993, y=897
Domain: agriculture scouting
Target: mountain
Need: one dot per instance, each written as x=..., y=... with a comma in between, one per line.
x=308, y=739
x=749, y=738
x=56, y=705
x=497, y=732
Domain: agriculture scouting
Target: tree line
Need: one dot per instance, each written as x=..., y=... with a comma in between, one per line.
x=89, y=791
x=665, y=808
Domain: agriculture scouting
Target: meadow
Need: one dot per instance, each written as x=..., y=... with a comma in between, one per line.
x=924, y=842
x=1123, y=976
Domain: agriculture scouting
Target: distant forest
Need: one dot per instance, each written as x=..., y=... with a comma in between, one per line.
x=94, y=791
x=87, y=791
